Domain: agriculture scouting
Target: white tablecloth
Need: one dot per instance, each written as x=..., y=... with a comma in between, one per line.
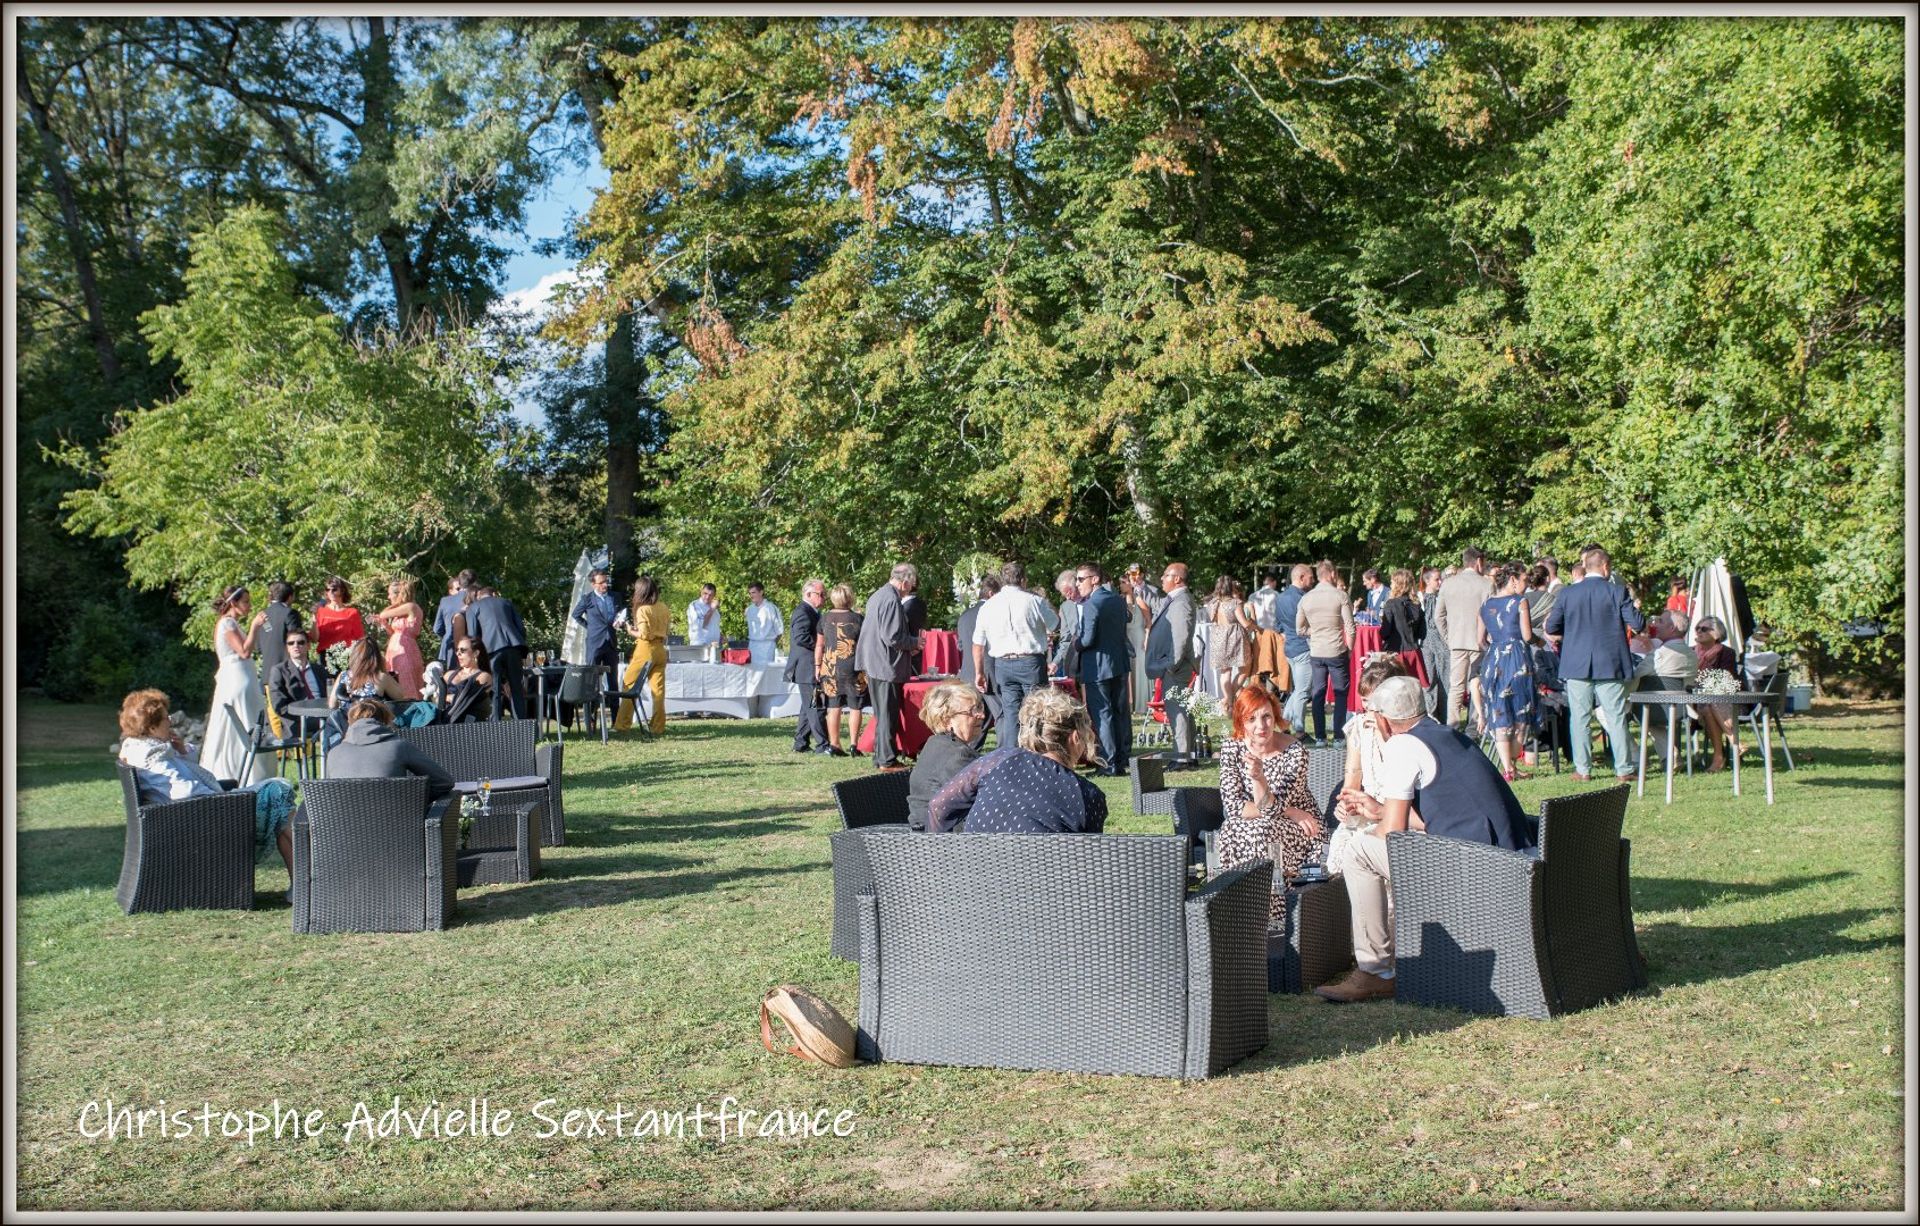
x=741, y=690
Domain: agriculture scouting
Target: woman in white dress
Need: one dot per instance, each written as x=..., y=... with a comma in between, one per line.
x=228, y=751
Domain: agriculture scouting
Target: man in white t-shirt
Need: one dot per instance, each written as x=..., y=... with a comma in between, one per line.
x=1432, y=779
x=763, y=625
x=1266, y=604
x=1010, y=637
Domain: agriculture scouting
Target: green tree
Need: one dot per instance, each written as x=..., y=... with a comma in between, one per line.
x=293, y=450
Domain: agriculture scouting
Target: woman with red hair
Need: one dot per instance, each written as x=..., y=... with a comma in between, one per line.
x=1267, y=811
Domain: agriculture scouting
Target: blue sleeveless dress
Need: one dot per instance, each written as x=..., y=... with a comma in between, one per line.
x=1506, y=671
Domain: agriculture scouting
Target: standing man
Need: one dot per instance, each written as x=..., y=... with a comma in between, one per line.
x=282, y=619
x=1266, y=604
x=451, y=605
x=1066, y=654
x=1102, y=644
x=969, y=618
x=597, y=611
x=1170, y=657
x=1326, y=621
x=884, y=652
x=1457, y=613
x=763, y=625
x=1010, y=636
x=1592, y=617
x=1457, y=792
x=1433, y=648
x=1299, y=651
x=493, y=620
x=810, y=730
x=1376, y=590
x=703, y=623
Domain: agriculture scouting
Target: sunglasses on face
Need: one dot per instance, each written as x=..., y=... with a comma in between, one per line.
x=296, y=642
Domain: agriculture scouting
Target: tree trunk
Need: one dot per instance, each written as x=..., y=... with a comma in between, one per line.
x=53, y=152
x=619, y=408
x=376, y=135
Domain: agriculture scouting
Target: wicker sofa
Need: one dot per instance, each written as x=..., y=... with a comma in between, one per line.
x=1493, y=931
x=370, y=855
x=184, y=855
x=1073, y=953
x=499, y=749
x=867, y=802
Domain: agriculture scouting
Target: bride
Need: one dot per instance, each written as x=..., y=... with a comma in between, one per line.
x=228, y=751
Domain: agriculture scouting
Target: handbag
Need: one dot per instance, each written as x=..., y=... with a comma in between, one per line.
x=818, y=1031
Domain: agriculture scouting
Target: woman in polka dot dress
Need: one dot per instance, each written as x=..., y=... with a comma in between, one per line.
x=1268, y=811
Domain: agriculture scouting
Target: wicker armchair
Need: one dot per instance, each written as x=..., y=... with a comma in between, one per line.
x=868, y=802
x=499, y=749
x=370, y=856
x=1326, y=772
x=1079, y=953
x=1493, y=931
x=1197, y=815
x=878, y=799
x=1147, y=775
x=186, y=855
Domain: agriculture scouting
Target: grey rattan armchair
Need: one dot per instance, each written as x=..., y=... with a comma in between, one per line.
x=1080, y=953
x=868, y=802
x=1326, y=771
x=186, y=855
x=370, y=856
x=499, y=749
x=1147, y=775
x=1494, y=931
x=1196, y=817
x=879, y=799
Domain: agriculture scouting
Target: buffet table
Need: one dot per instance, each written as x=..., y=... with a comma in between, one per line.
x=744, y=691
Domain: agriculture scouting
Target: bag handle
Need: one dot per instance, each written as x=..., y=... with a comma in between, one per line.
x=766, y=1030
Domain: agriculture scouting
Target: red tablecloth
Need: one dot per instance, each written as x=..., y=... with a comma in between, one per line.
x=940, y=652
x=736, y=655
x=1366, y=641
x=911, y=734
x=1068, y=684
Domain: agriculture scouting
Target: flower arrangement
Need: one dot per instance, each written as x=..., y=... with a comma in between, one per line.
x=338, y=657
x=1206, y=710
x=1715, y=681
x=475, y=805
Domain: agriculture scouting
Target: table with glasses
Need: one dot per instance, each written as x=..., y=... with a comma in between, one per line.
x=1674, y=698
x=304, y=710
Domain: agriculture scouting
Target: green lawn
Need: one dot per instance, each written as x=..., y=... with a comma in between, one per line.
x=1764, y=1069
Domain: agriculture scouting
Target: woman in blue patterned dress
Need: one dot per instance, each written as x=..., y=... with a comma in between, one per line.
x=1506, y=669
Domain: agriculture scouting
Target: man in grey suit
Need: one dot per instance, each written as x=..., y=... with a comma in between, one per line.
x=1457, y=613
x=1065, y=661
x=1170, y=656
x=884, y=652
x=281, y=617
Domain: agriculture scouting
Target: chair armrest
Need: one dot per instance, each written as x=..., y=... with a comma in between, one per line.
x=301, y=894
x=867, y=1034
x=442, y=852
x=1467, y=926
x=547, y=763
x=1227, y=969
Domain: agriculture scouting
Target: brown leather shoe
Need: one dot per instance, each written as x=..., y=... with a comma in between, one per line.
x=1358, y=985
x=1580, y=778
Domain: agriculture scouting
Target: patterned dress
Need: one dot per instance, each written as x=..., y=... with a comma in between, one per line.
x=1506, y=672
x=841, y=684
x=1271, y=834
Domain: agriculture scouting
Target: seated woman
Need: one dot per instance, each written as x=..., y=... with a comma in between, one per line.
x=955, y=712
x=166, y=768
x=1266, y=809
x=1365, y=747
x=1029, y=788
x=1710, y=641
x=469, y=686
x=366, y=676
x=371, y=749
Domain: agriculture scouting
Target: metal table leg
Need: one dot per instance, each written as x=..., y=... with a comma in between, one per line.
x=1766, y=751
x=1733, y=739
x=1670, y=755
x=1641, y=770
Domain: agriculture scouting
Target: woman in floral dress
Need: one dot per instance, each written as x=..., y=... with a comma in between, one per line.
x=1506, y=670
x=1266, y=807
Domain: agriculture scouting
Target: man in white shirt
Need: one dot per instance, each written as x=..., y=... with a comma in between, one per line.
x=1011, y=631
x=703, y=623
x=763, y=625
x=1266, y=603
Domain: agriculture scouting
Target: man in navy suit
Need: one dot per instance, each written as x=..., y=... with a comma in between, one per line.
x=1592, y=618
x=1104, y=666
x=450, y=606
x=596, y=612
x=493, y=620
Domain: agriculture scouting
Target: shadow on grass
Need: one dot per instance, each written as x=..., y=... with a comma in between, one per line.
x=1680, y=954
x=63, y=858
x=1862, y=785
x=681, y=827
x=552, y=894
x=1693, y=893
x=1305, y=1029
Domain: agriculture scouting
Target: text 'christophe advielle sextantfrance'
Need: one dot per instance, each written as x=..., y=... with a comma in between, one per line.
x=477, y=1119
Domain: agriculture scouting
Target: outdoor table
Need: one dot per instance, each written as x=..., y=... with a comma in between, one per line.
x=911, y=734
x=1366, y=641
x=304, y=710
x=540, y=673
x=490, y=855
x=1672, y=698
x=940, y=652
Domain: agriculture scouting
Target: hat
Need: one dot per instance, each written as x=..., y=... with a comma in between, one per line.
x=1399, y=699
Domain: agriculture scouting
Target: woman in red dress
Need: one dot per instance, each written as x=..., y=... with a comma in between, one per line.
x=337, y=621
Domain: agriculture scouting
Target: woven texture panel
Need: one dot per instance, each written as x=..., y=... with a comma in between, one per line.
x=879, y=799
x=186, y=855
x=370, y=857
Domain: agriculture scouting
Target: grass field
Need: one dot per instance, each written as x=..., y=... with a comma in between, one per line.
x=1763, y=1070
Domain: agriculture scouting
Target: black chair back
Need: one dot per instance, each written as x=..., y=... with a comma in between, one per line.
x=1197, y=813
x=580, y=684
x=873, y=800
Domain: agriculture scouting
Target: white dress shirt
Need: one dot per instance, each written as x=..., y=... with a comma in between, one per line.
x=763, y=627
x=699, y=630
x=1266, y=608
x=1015, y=623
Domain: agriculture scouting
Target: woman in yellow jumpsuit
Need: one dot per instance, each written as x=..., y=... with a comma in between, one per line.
x=648, y=624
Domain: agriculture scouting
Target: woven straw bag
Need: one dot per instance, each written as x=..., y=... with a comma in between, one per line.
x=819, y=1033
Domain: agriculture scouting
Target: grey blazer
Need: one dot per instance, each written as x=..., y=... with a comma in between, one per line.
x=881, y=651
x=1170, y=642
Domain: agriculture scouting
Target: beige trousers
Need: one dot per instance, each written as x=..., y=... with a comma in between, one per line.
x=1464, y=667
x=1370, y=899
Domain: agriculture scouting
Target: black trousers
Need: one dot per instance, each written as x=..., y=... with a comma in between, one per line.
x=810, y=727
x=1324, y=667
x=509, y=681
x=885, y=697
x=992, y=702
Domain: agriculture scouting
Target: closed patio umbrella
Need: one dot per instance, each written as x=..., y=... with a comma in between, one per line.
x=1713, y=596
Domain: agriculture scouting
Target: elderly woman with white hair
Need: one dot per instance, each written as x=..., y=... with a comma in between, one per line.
x=1029, y=788
x=955, y=712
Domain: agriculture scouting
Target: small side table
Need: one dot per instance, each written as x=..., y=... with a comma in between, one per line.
x=1317, y=945
x=504, y=847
